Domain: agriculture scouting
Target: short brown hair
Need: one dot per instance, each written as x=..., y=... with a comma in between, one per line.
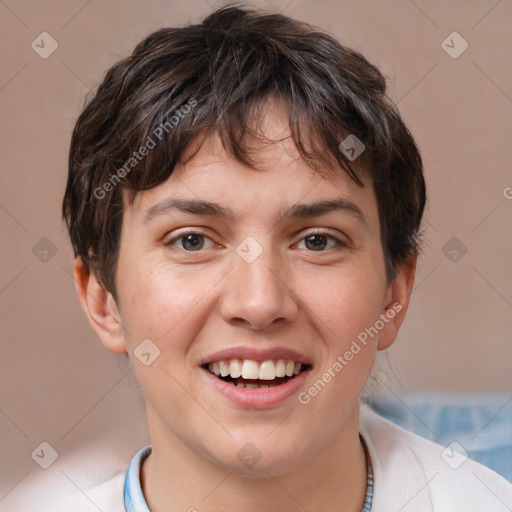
x=181, y=83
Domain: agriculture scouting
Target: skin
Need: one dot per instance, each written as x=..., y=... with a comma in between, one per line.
x=193, y=303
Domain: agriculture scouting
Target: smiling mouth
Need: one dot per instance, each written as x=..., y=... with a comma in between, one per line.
x=253, y=375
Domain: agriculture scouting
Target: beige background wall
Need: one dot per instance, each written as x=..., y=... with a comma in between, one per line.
x=58, y=384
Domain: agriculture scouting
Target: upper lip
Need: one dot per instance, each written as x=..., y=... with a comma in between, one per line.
x=255, y=354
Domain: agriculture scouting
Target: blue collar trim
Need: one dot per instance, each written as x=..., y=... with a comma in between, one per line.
x=134, y=500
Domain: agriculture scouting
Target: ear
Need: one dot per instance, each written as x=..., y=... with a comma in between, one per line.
x=396, y=302
x=100, y=308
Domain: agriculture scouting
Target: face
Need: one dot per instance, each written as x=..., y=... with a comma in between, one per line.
x=261, y=283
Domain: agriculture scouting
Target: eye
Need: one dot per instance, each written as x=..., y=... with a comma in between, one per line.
x=318, y=241
x=191, y=242
x=194, y=242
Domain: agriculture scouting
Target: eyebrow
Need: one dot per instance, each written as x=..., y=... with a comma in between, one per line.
x=201, y=207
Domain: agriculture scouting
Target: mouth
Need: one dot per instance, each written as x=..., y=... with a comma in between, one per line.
x=250, y=374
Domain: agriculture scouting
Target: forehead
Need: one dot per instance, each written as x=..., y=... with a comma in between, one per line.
x=279, y=180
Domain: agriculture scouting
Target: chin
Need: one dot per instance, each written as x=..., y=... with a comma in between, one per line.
x=260, y=463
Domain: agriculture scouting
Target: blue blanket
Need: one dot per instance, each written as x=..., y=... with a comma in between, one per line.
x=481, y=424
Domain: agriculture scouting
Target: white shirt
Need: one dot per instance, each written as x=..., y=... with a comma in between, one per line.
x=411, y=474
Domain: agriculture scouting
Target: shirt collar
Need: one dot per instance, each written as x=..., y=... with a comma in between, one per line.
x=134, y=500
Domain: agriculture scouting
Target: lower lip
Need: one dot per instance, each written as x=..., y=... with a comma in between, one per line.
x=256, y=398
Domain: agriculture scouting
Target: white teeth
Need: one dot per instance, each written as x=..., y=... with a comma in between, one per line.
x=267, y=370
x=235, y=368
x=280, y=368
x=250, y=369
x=224, y=368
x=214, y=368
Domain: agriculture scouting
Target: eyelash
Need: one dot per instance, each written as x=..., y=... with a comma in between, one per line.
x=338, y=243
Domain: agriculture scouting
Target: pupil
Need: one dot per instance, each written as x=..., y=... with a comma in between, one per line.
x=320, y=243
x=193, y=240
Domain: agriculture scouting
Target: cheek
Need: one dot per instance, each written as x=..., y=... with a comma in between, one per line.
x=345, y=302
x=166, y=305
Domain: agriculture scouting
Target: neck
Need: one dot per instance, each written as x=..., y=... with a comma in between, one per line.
x=175, y=478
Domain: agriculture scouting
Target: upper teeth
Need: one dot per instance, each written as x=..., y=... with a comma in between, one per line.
x=249, y=369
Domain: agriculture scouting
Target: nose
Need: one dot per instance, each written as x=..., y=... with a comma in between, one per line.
x=259, y=294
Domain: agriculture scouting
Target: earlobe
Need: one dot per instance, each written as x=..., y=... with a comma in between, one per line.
x=397, y=301
x=100, y=308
